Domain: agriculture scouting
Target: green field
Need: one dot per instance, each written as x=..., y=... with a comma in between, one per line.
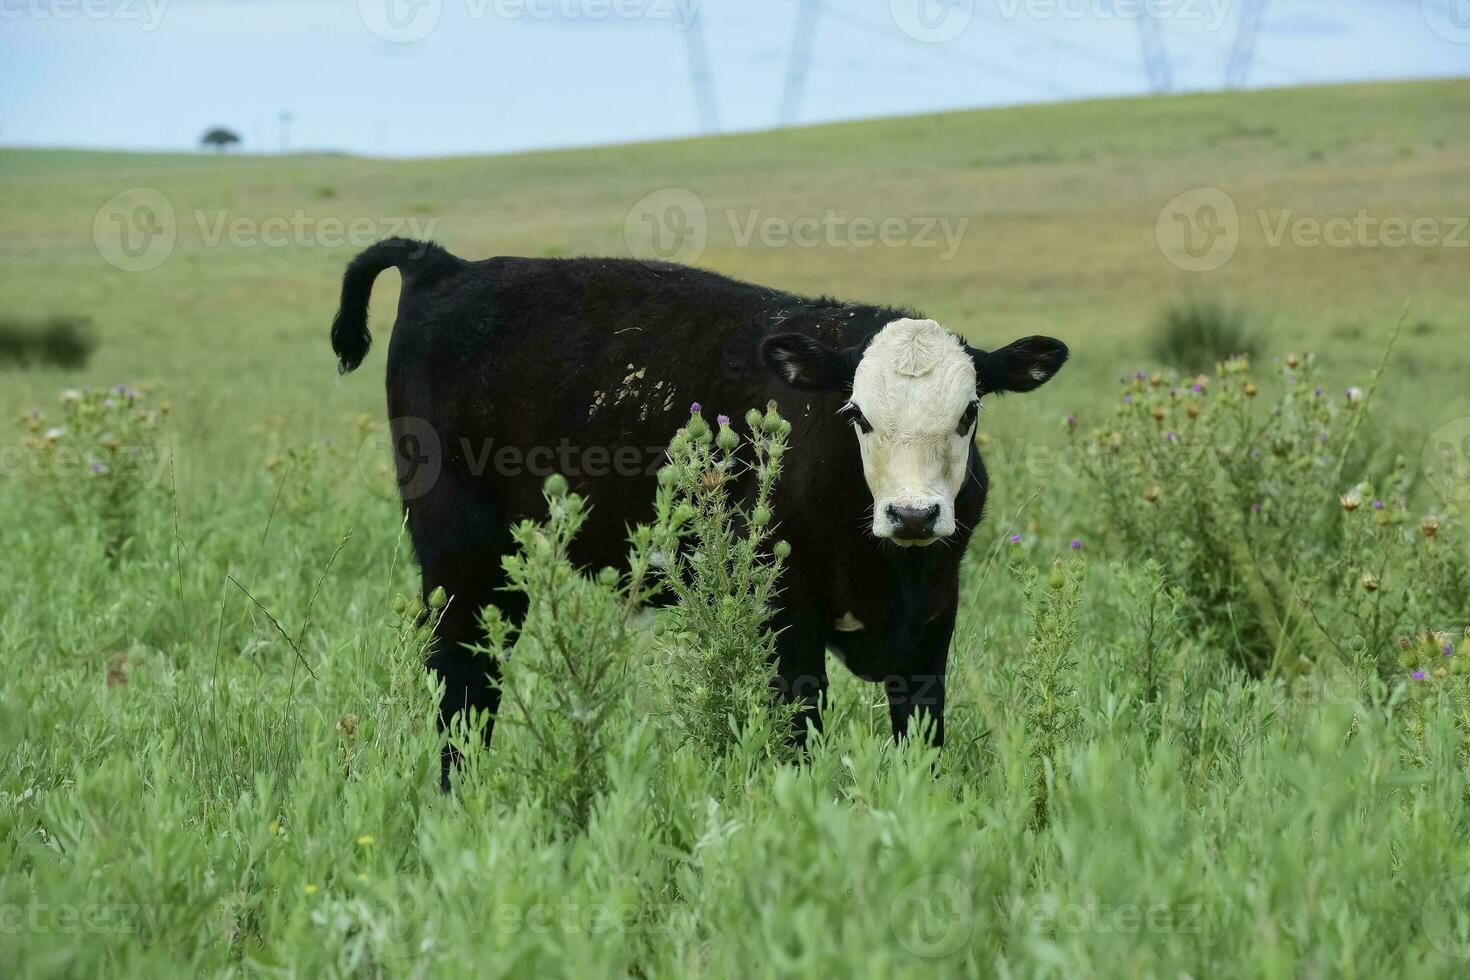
x=217, y=753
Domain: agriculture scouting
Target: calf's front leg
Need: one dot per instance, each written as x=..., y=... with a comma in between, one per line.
x=917, y=689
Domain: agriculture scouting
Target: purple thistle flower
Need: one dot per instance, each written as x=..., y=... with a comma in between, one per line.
x=1322, y=437
x=107, y=403
x=1377, y=505
x=695, y=409
x=96, y=467
x=1127, y=399
x=1015, y=539
x=121, y=388
x=1197, y=388
x=1071, y=421
x=1256, y=454
x=1256, y=506
x=722, y=419
x=1317, y=393
x=1169, y=436
x=1449, y=651
x=1418, y=675
x=1076, y=544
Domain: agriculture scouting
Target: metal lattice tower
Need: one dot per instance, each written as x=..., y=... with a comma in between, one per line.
x=1155, y=58
x=1243, y=51
x=700, y=79
x=800, y=61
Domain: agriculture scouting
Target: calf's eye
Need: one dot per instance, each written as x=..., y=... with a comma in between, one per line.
x=855, y=415
x=968, y=419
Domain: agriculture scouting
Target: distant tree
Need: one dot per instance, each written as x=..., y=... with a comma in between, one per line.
x=219, y=138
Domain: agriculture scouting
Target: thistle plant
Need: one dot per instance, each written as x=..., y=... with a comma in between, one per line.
x=572, y=662
x=719, y=649
x=1235, y=484
x=103, y=460
x=1053, y=612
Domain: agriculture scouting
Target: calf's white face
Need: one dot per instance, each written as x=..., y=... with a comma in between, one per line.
x=914, y=394
x=913, y=406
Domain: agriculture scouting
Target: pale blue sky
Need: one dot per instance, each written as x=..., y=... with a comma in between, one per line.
x=500, y=75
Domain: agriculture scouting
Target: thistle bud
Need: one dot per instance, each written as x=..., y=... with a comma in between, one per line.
x=438, y=599
x=1193, y=410
x=773, y=418
x=1429, y=527
x=1152, y=493
x=1370, y=582
x=712, y=480
x=1251, y=390
x=668, y=476
x=1351, y=501
x=753, y=419
x=782, y=550
x=1354, y=396
x=1058, y=577
x=761, y=516
x=555, y=486
x=608, y=577
x=727, y=440
x=400, y=604
x=1292, y=360
x=1158, y=413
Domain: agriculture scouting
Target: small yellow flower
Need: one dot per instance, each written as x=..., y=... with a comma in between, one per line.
x=366, y=840
x=1251, y=390
x=310, y=889
x=275, y=828
x=362, y=877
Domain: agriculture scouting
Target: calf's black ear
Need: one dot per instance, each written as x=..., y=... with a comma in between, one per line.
x=1022, y=365
x=809, y=364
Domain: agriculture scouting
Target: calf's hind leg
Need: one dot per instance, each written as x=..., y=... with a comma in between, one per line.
x=459, y=537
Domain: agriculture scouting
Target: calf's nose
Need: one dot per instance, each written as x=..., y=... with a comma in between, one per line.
x=913, y=522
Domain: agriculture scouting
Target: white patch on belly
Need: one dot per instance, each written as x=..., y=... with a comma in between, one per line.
x=847, y=623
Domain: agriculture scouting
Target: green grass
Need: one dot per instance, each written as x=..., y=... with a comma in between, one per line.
x=181, y=793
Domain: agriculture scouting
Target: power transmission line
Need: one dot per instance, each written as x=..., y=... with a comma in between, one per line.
x=800, y=61
x=1243, y=51
x=699, y=73
x=1155, y=58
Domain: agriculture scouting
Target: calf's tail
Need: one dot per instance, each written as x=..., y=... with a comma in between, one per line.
x=350, y=335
